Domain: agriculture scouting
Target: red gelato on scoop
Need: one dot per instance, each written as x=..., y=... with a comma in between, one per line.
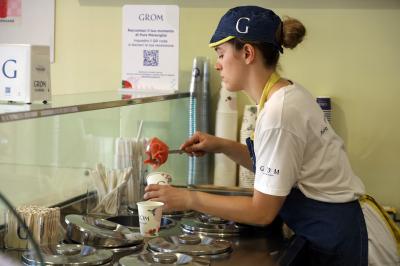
x=157, y=152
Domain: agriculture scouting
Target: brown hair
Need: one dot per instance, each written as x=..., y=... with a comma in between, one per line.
x=293, y=32
x=289, y=35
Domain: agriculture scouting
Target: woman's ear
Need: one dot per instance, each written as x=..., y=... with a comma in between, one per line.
x=249, y=53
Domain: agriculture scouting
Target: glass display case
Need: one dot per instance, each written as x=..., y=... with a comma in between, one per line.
x=47, y=151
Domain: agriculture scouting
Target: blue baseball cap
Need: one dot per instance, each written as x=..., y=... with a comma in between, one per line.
x=249, y=23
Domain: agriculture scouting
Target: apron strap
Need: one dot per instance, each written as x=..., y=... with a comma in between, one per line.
x=250, y=147
x=389, y=222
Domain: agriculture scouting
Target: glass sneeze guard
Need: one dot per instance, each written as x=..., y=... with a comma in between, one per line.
x=44, y=159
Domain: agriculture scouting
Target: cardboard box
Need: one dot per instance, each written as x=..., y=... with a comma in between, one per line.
x=25, y=73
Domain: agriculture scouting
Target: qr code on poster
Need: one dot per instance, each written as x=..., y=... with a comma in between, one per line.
x=150, y=57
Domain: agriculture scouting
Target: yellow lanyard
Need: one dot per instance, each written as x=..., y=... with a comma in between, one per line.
x=273, y=79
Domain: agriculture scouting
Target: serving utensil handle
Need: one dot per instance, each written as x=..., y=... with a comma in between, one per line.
x=175, y=151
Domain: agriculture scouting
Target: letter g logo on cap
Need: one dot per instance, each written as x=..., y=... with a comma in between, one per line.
x=246, y=29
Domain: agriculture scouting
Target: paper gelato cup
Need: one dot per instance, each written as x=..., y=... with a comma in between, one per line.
x=159, y=178
x=150, y=213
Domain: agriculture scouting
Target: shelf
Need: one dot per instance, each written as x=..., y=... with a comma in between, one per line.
x=311, y=4
x=74, y=103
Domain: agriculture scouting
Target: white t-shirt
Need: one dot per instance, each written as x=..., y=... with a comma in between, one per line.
x=295, y=146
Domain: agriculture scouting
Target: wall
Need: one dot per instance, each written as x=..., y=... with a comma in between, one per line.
x=350, y=53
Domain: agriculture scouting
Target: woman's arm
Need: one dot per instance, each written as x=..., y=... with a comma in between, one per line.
x=238, y=152
x=201, y=143
x=259, y=209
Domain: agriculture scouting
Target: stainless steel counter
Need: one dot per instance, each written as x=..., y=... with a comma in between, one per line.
x=254, y=249
x=257, y=248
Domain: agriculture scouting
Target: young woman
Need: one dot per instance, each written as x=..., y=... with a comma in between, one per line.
x=302, y=172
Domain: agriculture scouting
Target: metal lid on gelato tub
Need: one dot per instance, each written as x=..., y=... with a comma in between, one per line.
x=193, y=245
x=100, y=232
x=70, y=254
x=149, y=258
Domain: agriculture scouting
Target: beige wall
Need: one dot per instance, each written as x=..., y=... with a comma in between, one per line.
x=350, y=54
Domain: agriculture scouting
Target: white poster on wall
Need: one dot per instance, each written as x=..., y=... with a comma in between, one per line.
x=28, y=22
x=150, y=48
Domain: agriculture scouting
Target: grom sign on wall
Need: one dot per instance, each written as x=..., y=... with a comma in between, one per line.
x=150, y=48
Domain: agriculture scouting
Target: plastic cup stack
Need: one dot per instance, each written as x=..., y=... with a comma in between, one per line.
x=246, y=177
x=226, y=126
x=199, y=170
x=325, y=104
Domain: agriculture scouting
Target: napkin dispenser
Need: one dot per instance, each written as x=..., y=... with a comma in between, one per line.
x=25, y=73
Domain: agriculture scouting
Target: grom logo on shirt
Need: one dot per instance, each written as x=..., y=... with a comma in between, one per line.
x=324, y=130
x=268, y=170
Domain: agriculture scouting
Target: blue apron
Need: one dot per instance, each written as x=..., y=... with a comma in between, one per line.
x=325, y=233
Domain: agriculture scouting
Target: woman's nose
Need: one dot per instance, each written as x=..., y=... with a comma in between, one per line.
x=217, y=66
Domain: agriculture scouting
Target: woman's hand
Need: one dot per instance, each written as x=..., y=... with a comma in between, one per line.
x=201, y=143
x=175, y=199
